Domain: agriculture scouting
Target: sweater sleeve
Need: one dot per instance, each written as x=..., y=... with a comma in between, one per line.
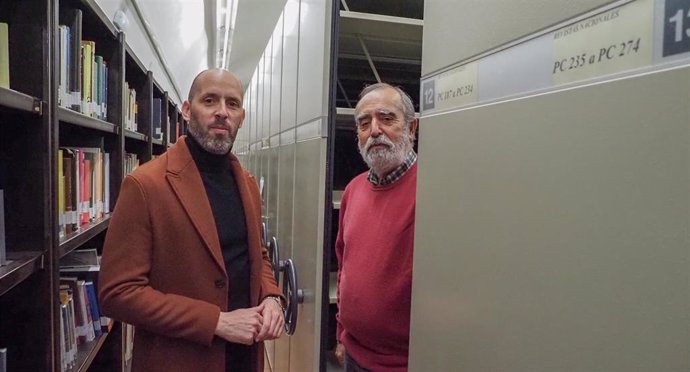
x=339, y=249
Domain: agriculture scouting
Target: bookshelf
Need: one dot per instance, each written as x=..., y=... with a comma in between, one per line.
x=40, y=125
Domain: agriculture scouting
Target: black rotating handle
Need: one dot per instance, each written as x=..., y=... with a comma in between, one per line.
x=274, y=254
x=264, y=235
x=293, y=294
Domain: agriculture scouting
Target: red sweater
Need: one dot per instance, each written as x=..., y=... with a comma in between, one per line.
x=374, y=249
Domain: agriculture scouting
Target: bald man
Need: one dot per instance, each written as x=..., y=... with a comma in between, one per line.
x=183, y=259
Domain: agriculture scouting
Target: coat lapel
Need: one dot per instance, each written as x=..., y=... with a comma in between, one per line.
x=252, y=213
x=185, y=180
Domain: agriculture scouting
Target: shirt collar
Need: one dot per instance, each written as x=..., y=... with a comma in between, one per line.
x=396, y=174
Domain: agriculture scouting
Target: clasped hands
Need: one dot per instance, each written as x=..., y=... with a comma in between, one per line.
x=254, y=324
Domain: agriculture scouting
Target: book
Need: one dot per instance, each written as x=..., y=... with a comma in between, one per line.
x=95, y=309
x=99, y=98
x=87, y=54
x=86, y=307
x=4, y=55
x=89, y=274
x=129, y=342
x=86, y=195
x=63, y=339
x=3, y=254
x=63, y=47
x=157, y=105
x=80, y=322
x=75, y=59
x=80, y=258
x=106, y=182
x=68, y=173
x=61, y=195
x=66, y=299
x=3, y=359
x=72, y=179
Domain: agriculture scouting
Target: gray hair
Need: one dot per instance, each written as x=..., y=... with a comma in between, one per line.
x=408, y=108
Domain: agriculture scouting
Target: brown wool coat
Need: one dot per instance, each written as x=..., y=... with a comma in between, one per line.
x=162, y=268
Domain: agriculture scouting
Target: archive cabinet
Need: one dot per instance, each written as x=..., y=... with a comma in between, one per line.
x=299, y=140
x=78, y=111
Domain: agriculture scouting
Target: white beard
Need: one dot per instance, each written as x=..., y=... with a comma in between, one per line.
x=384, y=160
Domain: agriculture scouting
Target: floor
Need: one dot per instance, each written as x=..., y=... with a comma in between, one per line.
x=331, y=364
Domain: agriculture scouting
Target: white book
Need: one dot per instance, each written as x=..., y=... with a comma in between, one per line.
x=62, y=90
x=63, y=339
x=106, y=180
x=3, y=360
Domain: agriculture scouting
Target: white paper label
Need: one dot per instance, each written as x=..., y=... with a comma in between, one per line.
x=451, y=89
x=610, y=42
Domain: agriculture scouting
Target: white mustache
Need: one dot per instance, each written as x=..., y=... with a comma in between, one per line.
x=381, y=140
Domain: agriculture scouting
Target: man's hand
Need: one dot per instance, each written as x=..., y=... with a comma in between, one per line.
x=340, y=354
x=240, y=326
x=273, y=320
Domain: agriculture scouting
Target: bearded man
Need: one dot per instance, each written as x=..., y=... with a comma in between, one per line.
x=183, y=260
x=376, y=236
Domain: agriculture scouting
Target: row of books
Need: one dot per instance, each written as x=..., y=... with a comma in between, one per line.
x=83, y=74
x=81, y=320
x=157, y=115
x=4, y=55
x=131, y=162
x=83, y=186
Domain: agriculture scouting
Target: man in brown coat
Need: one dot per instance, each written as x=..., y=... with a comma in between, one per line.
x=183, y=260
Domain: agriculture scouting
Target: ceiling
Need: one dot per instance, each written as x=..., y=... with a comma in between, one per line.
x=254, y=25
x=390, y=31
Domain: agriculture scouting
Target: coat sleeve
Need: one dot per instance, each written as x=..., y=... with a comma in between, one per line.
x=269, y=287
x=124, y=290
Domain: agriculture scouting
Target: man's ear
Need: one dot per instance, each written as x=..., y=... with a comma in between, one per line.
x=413, y=127
x=242, y=118
x=186, y=110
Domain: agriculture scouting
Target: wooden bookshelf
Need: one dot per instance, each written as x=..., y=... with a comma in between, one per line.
x=86, y=353
x=12, y=99
x=74, y=240
x=37, y=122
x=21, y=266
x=75, y=118
x=136, y=136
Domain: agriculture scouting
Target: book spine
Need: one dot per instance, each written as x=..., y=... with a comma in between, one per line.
x=4, y=56
x=3, y=360
x=3, y=256
x=95, y=310
x=75, y=60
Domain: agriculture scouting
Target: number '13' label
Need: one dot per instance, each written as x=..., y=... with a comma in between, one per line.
x=676, y=27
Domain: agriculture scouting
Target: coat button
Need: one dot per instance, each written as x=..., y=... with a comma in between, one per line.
x=219, y=283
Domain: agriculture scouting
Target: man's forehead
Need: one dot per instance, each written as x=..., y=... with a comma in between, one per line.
x=377, y=106
x=384, y=95
x=218, y=80
x=374, y=111
x=220, y=90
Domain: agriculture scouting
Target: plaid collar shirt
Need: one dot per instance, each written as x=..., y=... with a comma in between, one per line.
x=396, y=174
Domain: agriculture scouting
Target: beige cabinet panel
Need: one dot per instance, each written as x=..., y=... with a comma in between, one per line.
x=552, y=232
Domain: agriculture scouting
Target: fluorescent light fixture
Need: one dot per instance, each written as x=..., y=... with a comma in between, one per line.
x=230, y=13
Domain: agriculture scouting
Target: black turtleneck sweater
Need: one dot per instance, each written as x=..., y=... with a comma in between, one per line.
x=228, y=212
